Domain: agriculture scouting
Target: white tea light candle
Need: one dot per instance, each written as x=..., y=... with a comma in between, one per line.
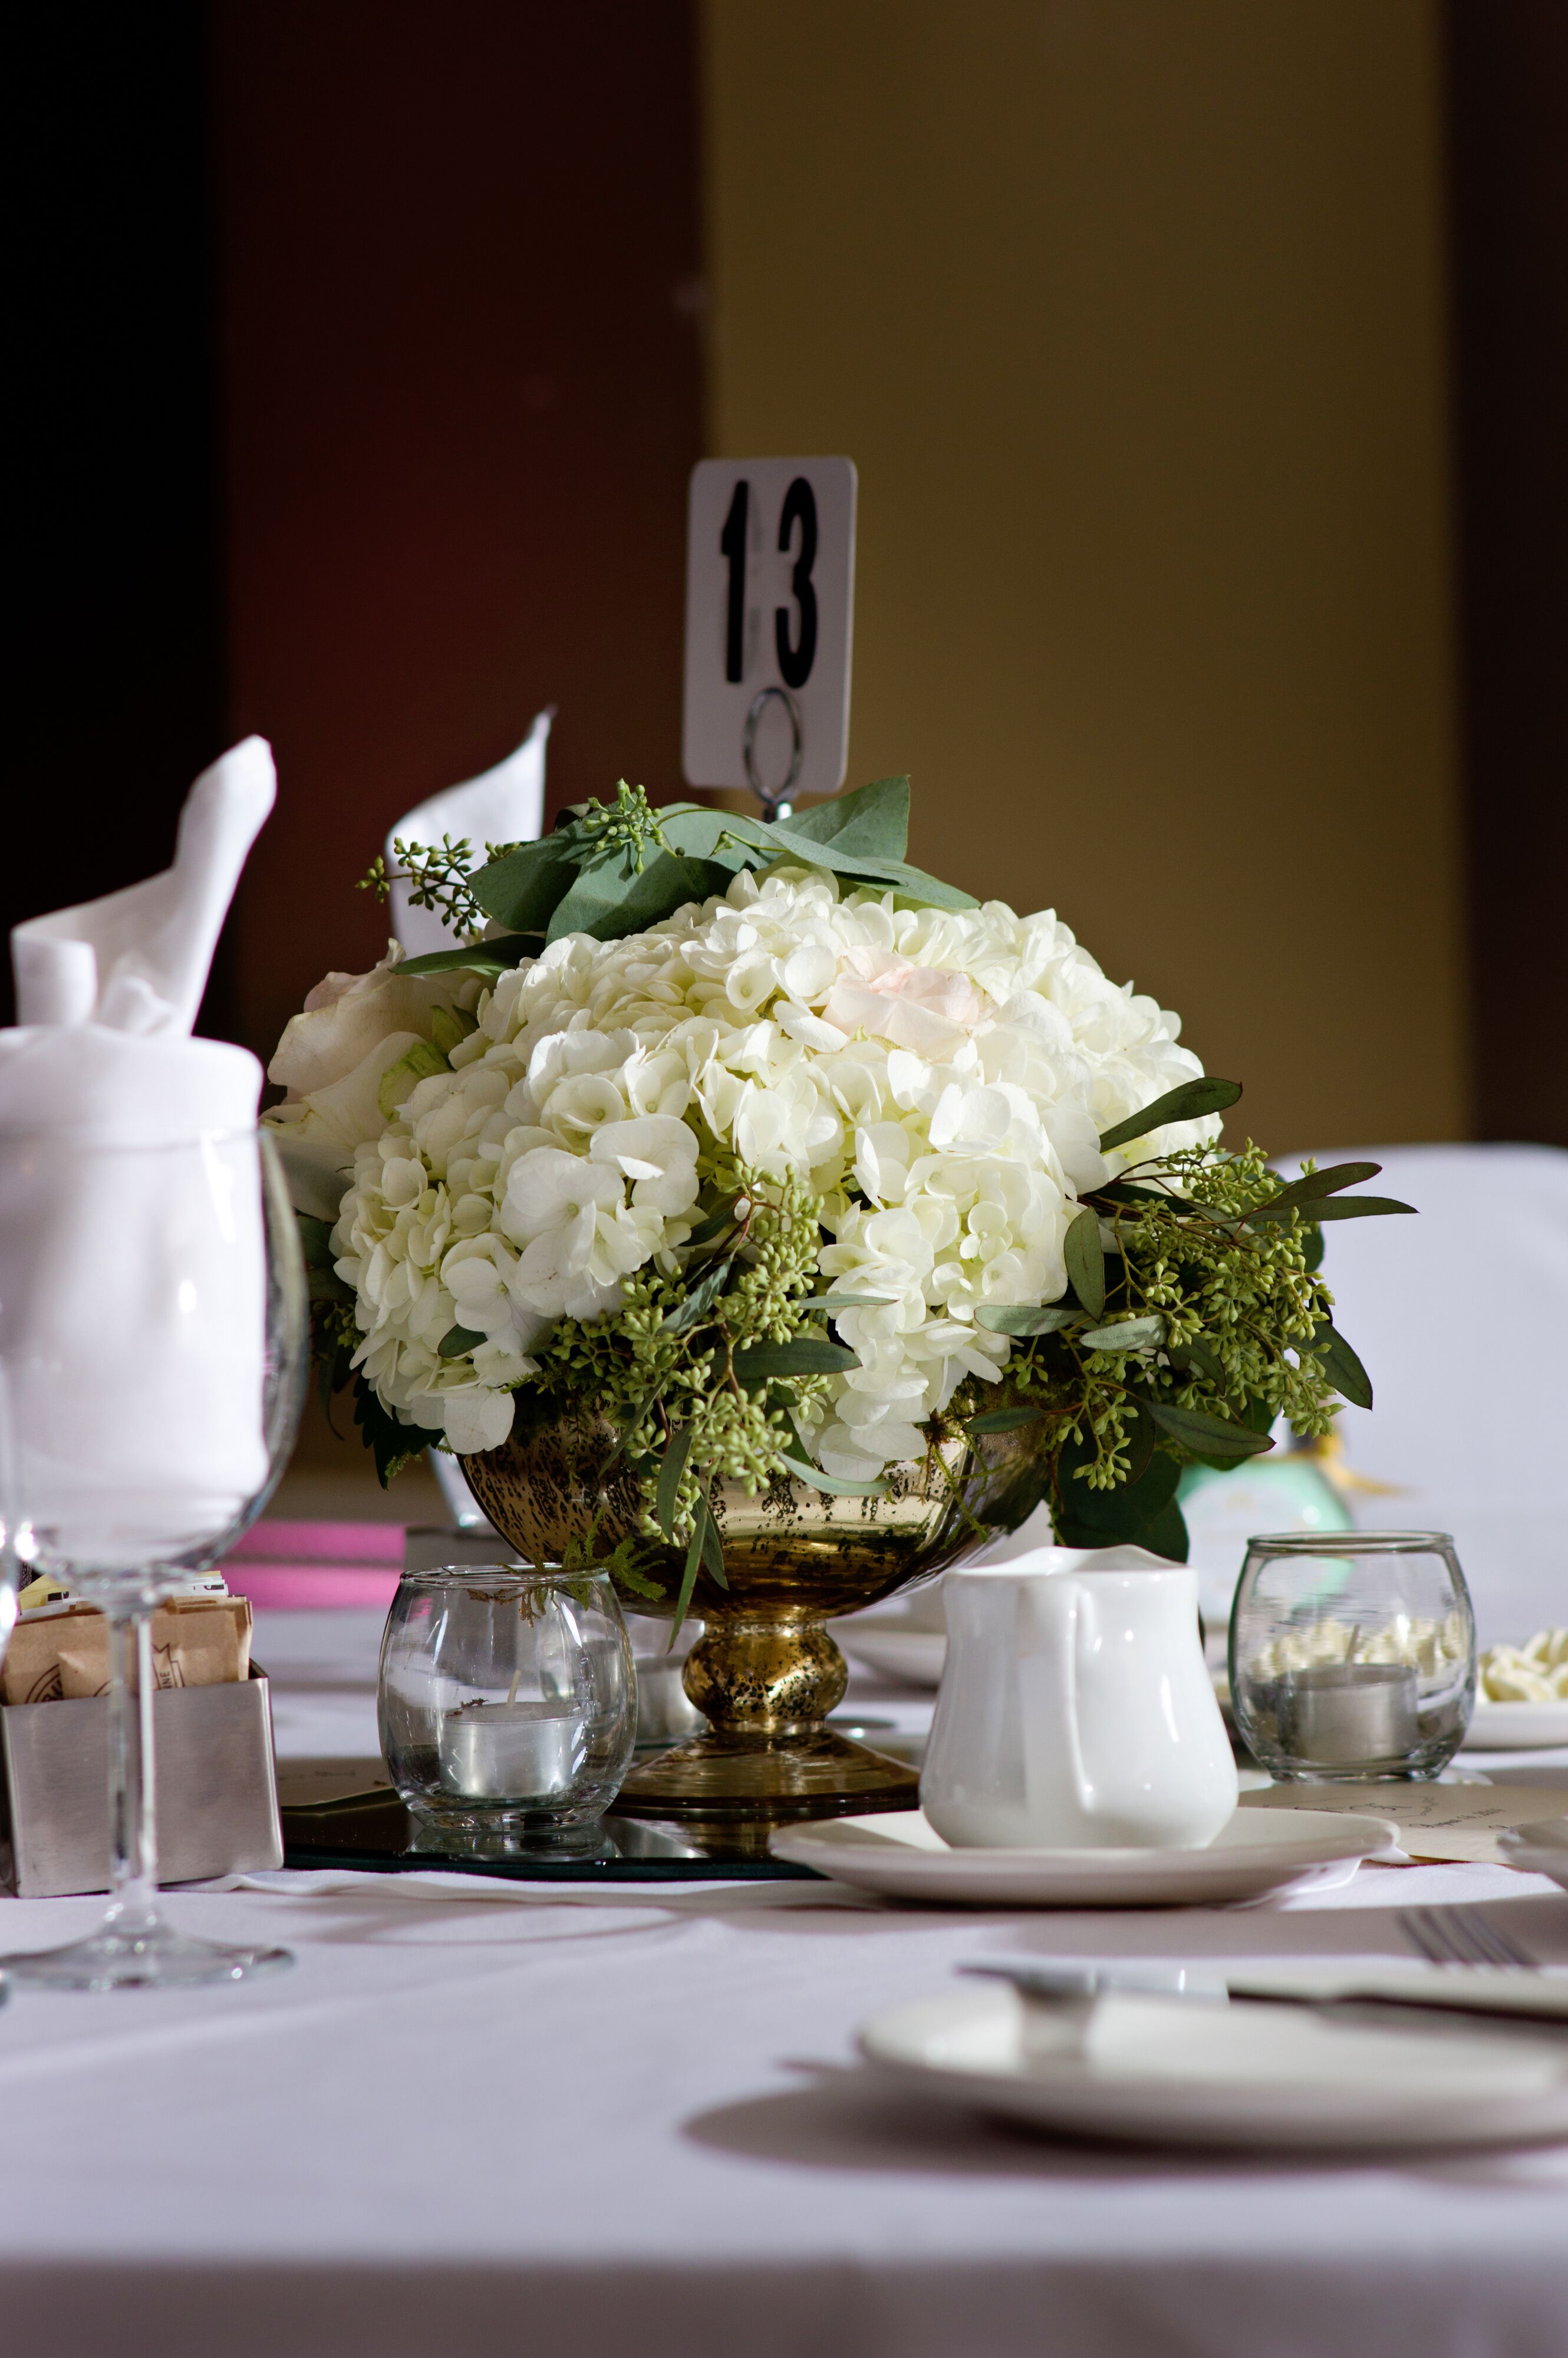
x=1352, y=1654
x=511, y=1751
x=1339, y=1713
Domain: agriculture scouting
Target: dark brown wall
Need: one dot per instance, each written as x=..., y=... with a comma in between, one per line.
x=460, y=264
x=115, y=689
x=1507, y=103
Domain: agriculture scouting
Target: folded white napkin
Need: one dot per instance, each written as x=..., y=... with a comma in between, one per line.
x=505, y=805
x=137, y=960
x=132, y=1259
x=347, y=1883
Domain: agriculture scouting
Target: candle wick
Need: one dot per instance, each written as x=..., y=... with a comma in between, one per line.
x=516, y=1679
x=1355, y=1641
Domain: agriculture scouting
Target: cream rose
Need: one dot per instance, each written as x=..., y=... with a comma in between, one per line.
x=337, y=1056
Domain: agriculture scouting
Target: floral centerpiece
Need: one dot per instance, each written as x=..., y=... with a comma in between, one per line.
x=793, y=1165
x=793, y=1157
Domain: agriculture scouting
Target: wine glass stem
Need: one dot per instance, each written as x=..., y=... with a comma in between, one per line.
x=133, y=1824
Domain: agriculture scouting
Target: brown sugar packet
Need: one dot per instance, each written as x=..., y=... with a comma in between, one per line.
x=198, y=1641
x=31, y=1670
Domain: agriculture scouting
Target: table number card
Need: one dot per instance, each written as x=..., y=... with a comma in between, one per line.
x=1447, y=1821
x=768, y=620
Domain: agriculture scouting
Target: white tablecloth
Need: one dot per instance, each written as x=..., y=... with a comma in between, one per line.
x=631, y=2123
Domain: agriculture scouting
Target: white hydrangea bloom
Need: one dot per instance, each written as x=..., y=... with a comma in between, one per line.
x=941, y=1079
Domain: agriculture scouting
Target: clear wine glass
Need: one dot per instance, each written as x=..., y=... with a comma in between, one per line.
x=154, y=1343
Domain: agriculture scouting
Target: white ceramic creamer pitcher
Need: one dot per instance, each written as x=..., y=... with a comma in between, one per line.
x=1076, y=1710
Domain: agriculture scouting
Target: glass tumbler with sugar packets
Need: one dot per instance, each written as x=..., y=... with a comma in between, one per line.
x=1352, y=1654
x=507, y=1701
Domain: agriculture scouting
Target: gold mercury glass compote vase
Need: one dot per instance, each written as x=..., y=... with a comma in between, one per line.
x=765, y=1671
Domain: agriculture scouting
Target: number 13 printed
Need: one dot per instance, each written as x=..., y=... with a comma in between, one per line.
x=770, y=591
x=796, y=650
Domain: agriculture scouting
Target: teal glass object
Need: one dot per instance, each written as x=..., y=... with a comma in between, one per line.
x=1287, y=1491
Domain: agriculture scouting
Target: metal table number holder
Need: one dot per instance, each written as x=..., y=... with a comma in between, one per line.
x=775, y=800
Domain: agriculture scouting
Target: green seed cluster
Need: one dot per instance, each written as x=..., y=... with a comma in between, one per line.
x=1240, y=1306
x=627, y=827
x=652, y=1372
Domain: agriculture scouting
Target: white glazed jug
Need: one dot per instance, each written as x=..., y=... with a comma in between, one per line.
x=1076, y=1710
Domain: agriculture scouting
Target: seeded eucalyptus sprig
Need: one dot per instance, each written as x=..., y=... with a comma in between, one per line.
x=608, y=869
x=1194, y=1318
x=439, y=877
x=702, y=1374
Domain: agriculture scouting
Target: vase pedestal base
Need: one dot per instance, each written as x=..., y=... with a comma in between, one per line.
x=812, y=1773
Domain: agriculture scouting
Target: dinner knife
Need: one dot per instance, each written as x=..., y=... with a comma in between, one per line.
x=1502, y=1995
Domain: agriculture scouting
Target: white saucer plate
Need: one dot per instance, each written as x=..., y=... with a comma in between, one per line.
x=1541, y=1848
x=1517, y=1726
x=900, y=1855
x=911, y=1657
x=1182, y=2071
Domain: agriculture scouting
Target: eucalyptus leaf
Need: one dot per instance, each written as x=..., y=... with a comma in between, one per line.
x=1256, y=1412
x=390, y=1440
x=1124, y=1335
x=1209, y=1436
x=315, y=1240
x=713, y=1226
x=1314, y=1210
x=835, y=1484
x=712, y=1545
x=457, y=1340
x=1123, y=1191
x=1199, y=1356
x=1355, y=1207
x=612, y=899
x=697, y=831
x=1342, y=1367
x=873, y=819
x=1166, y=1535
x=734, y=840
x=1003, y=1420
x=521, y=889
x=689, y=1576
x=1019, y=1318
x=1119, y=1513
x=914, y=884
x=677, y=1451
x=1086, y=1262
x=759, y=1363
x=1313, y=1184
x=1189, y=1102
x=695, y=1307
x=1142, y=1436
x=498, y=955
x=846, y=1301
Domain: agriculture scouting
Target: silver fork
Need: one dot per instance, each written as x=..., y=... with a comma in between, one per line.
x=1462, y=1936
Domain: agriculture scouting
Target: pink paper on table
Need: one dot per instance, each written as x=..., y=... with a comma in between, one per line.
x=286, y=1565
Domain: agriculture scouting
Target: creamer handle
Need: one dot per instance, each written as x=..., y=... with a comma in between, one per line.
x=1055, y=1607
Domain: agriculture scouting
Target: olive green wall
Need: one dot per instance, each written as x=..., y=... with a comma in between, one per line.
x=1131, y=313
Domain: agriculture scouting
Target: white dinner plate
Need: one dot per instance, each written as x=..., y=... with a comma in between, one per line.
x=1517, y=1726
x=1187, y=2072
x=898, y=1854
x=913, y=1657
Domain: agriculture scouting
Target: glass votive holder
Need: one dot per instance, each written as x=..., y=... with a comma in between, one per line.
x=1352, y=1654
x=507, y=1701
